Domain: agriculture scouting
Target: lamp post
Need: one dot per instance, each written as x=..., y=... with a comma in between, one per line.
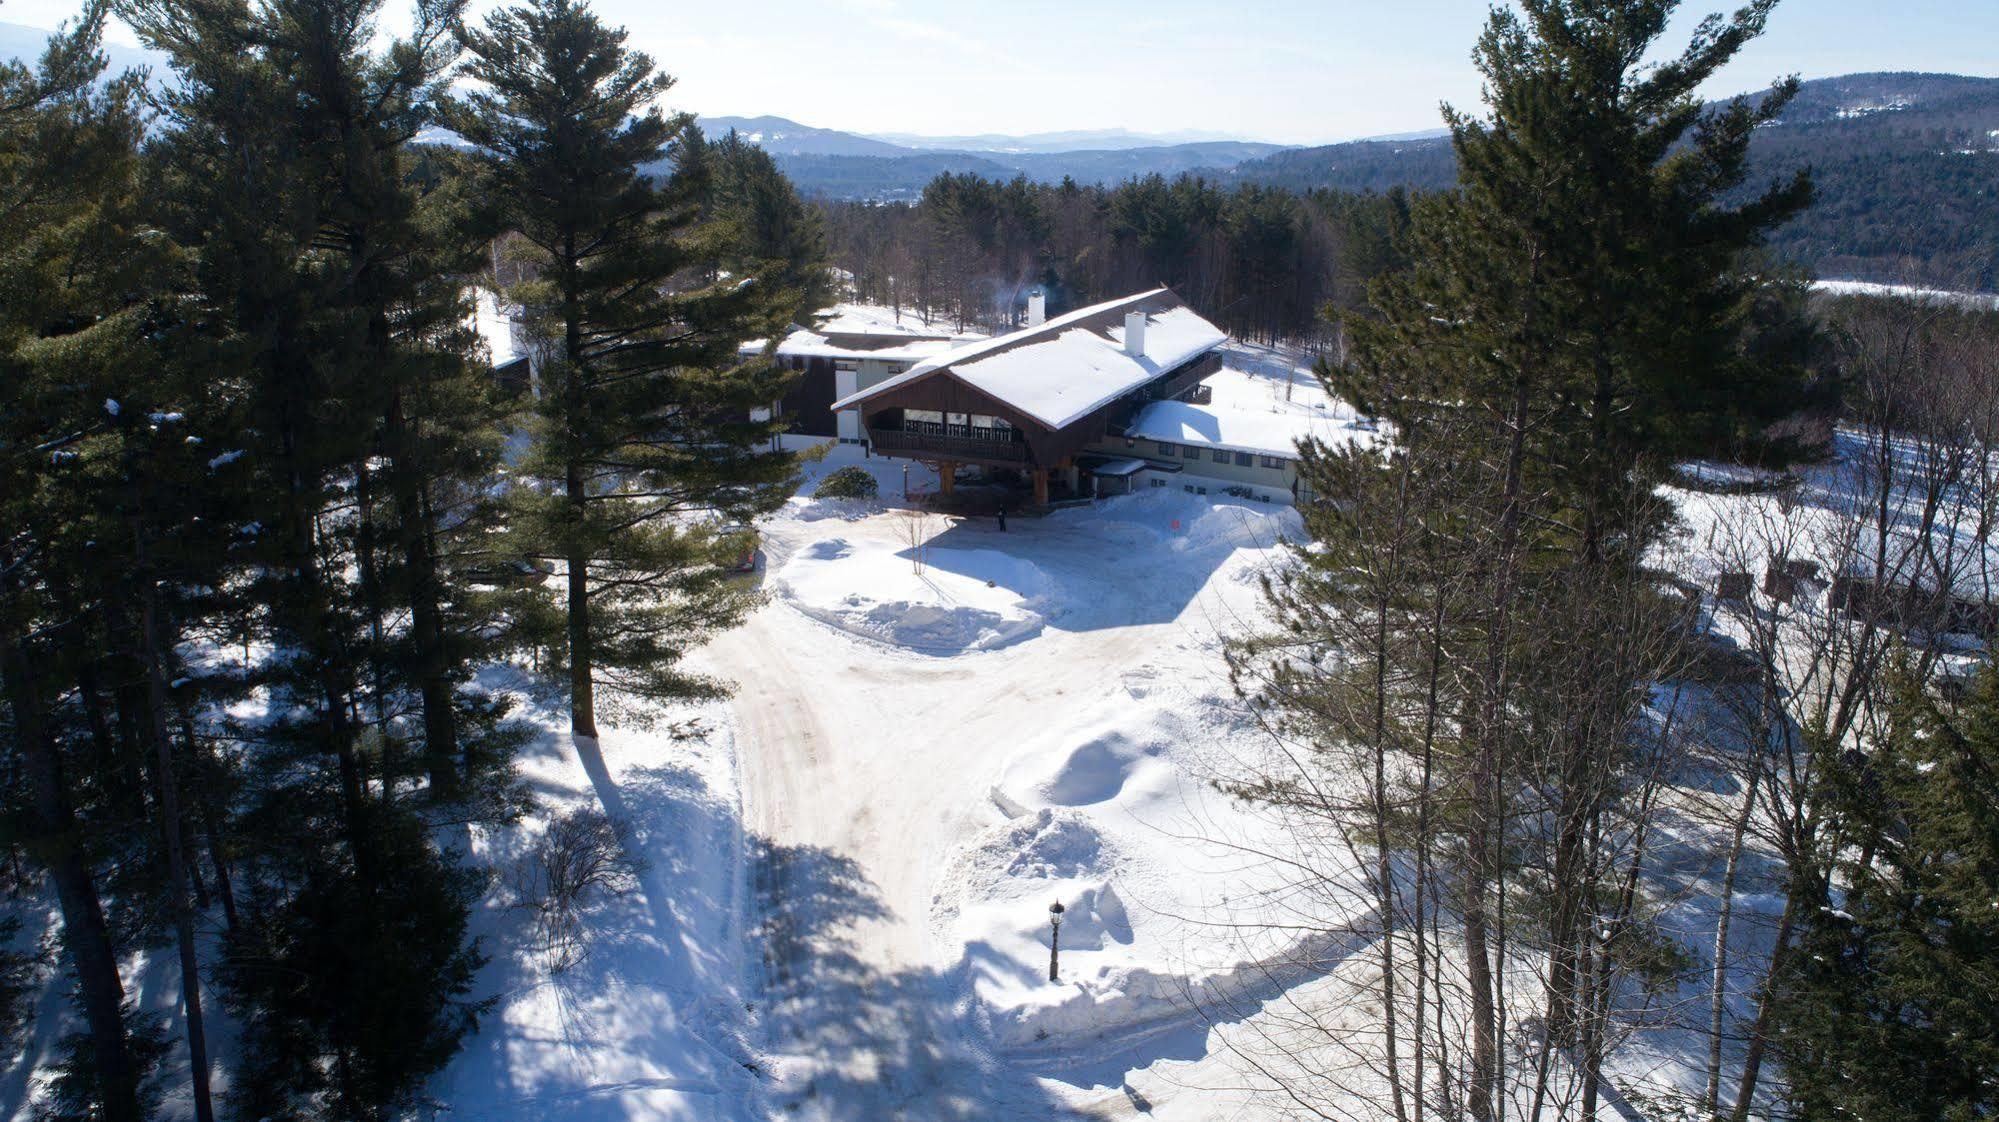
x=1055, y=911
x=905, y=483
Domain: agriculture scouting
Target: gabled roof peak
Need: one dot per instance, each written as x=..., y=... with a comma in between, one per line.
x=1064, y=369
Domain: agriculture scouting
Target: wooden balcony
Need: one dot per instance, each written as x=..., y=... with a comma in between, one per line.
x=895, y=442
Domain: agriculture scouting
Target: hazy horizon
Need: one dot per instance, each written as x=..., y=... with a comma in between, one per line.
x=1288, y=71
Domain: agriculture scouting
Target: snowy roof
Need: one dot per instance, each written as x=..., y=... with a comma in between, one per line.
x=871, y=319
x=1066, y=368
x=496, y=326
x=1239, y=430
x=867, y=331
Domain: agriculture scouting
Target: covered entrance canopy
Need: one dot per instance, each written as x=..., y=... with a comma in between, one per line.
x=1034, y=399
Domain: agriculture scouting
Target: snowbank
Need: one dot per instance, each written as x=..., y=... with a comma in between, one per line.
x=1185, y=523
x=961, y=600
x=654, y=1022
x=1120, y=981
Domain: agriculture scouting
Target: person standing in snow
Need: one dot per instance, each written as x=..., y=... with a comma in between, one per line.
x=1002, y=519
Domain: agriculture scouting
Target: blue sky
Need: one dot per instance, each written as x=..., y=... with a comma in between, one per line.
x=1297, y=71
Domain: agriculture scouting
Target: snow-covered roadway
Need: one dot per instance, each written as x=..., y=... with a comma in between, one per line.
x=867, y=767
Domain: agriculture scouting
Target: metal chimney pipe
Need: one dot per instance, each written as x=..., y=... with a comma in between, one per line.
x=1037, y=308
x=1134, y=334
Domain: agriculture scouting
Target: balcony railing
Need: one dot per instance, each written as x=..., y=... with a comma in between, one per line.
x=949, y=447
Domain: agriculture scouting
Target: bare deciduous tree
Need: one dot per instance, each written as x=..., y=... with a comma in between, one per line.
x=581, y=856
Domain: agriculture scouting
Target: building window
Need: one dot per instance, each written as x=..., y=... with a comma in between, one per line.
x=846, y=365
x=1190, y=452
x=1273, y=461
x=1244, y=459
x=1157, y=482
x=1166, y=449
x=1219, y=455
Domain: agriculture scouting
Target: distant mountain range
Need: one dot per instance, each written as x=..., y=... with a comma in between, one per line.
x=845, y=165
x=1906, y=165
x=1082, y=140
x=18, y=41
x=782, y=137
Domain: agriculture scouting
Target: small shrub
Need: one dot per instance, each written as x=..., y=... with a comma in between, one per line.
x=582, y=855
x=848, y=483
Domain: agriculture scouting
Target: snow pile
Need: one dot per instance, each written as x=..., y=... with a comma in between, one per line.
x=1094, y=771
x=1188, y=524
x=1267, y=432
x=961, y=600
x=1108, y=813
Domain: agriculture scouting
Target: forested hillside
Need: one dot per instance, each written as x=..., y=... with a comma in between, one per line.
x=1261, y=262
x=1906, y=166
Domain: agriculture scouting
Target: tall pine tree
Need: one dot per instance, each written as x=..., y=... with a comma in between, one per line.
x=72, y=320
x=776, y=235
x=1891, y=1011
x=1581, y=312
x=321, y=293
x=642, y=423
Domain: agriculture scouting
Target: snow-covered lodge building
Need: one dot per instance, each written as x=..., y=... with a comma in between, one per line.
x=1099, y=401
x=852, y=349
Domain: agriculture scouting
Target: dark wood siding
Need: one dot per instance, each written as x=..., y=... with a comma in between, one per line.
x=1048, y=447
x=946, y=394
x=808, y=408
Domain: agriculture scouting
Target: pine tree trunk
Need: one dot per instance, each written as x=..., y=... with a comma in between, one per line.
x=433, y=663
x=90, y=693
x=55, y=838
x=211, y=831
x=582, y=695
x=582, y=700
x=1481, y=841
x=177, y=879
x=373, y=594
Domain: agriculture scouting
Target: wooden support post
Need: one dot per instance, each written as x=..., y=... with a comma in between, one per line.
x=1040, y=486
x=947, y=478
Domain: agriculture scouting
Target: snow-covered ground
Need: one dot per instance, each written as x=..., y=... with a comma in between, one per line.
x=655, y=1021
x=932, y=803
x=845, y=913
x=940, y=600
x=1980, y=301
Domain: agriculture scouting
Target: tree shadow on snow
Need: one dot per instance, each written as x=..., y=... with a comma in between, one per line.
x=852, y=1039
